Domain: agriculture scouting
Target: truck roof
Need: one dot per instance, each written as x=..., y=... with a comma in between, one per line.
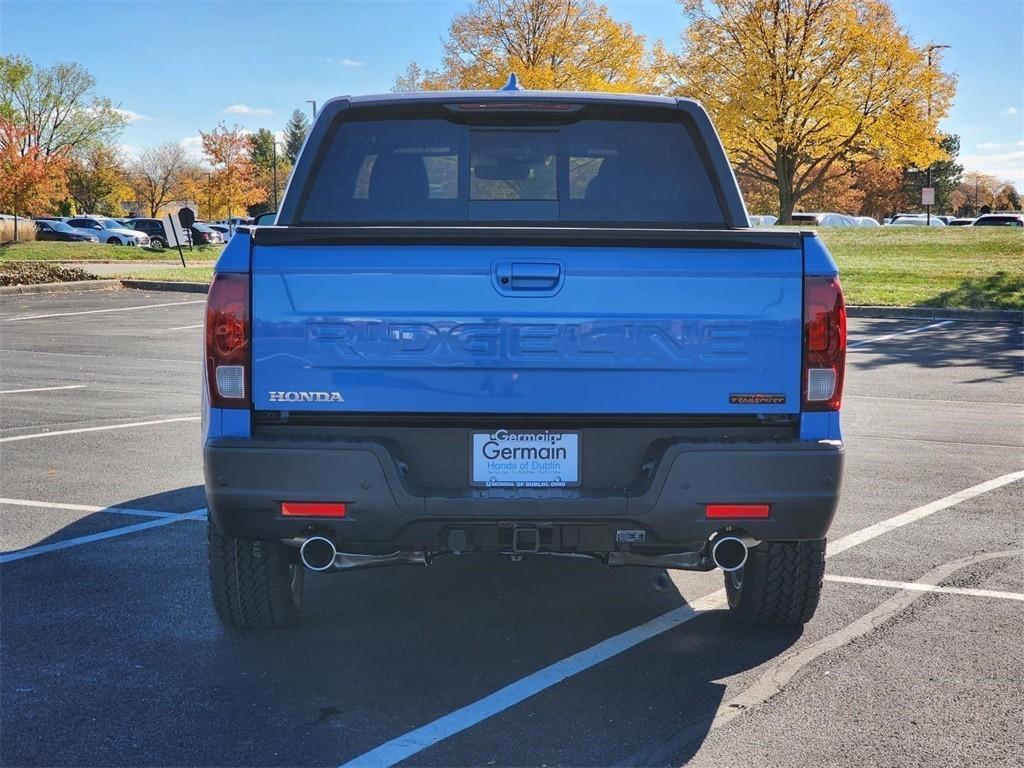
x=633, y=105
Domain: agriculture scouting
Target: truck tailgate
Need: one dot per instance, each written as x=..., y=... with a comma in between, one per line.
x=524, y=329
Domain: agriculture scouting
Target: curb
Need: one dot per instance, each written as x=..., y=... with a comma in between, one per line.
x=165, y=285
x=80, y=285
x=939, y=313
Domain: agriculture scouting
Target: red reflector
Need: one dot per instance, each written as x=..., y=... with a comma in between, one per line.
x=312, y=509
x=737, y=511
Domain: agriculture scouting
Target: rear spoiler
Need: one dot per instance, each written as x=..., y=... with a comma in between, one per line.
x=504, y=235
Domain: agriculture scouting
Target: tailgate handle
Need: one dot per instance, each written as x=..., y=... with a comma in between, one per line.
x=528, y=276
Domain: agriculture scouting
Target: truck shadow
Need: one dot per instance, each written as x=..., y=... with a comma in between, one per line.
x=379, y=653
x=993, y=347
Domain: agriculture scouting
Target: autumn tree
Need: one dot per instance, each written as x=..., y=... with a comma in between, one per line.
x=30, y=179
x=837, y=192
x=233, y=185
x=98, y=181
x=980, y=190
x=801, y=88
x=882, y=189
x=160, y=175
x=295, y=131
x=56, y=106
x=549, y=44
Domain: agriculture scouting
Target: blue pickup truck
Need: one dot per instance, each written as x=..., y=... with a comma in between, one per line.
x=520, y=323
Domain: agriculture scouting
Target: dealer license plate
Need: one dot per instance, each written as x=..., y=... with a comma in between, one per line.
x=504, y=458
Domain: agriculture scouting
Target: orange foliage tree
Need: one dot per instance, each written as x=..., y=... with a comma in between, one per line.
x=550, y=44
x=29, y=177
x=234, y=183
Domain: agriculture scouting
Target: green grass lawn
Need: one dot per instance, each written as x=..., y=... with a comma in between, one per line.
x=54, y=251
x=888, y=266
x=930, y=266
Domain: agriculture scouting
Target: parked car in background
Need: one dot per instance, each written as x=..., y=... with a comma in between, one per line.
x=152, y=227
x=204, y=234
x=224, y=230
x=763, y=220
x=109, y=231
x=915, y=220
x=866, y=221
x=48, y=229
x=823, y=220
x=962, y=222
x=999, y=220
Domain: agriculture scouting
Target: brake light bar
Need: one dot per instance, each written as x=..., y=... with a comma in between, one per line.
x=312, y=509
x=228, y=351
x=520, y=106
x=824, y=352
x=737, y=511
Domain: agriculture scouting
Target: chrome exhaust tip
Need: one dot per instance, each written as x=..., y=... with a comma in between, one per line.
x=317, y=553
x=729, y=553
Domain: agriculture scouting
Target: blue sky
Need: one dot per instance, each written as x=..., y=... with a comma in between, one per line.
x=180, y=66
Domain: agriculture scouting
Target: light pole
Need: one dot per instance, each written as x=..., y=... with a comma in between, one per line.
x=275, y=172
x=311, y=101
x=932, y=47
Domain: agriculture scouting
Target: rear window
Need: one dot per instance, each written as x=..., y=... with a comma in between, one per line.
x=434, y=171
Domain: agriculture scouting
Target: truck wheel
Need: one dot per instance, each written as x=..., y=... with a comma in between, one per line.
x=255, y=584
x=780, y=583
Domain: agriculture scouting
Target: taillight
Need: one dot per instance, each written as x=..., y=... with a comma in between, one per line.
x=824, y=344
x=227, y=341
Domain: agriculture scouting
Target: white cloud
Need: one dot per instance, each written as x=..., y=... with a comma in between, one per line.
x=1004, y=165
x=998, y=145
x=193, y=146
x=130, y=151
x=245, y=109
x=346, y=62
x=1009, y=111
x=133, y=117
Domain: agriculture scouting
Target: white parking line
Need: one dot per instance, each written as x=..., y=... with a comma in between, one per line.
x=86, y=508
x=888, y=336
x=407, y=745
x=778, y=675
x=184, y=327
x=918, y=587
x=415, y=741
x=35, y=435
x=41, y=389
x=873, y=531
x=42, y=549
x=101, y=311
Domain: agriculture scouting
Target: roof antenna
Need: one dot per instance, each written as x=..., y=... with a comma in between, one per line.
x=512, y=84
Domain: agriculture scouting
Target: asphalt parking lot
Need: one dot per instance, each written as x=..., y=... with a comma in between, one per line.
x=110, y=653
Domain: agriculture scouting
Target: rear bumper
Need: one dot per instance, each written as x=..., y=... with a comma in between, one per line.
x=247, y=480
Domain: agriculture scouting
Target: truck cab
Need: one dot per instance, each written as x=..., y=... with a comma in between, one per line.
x=520, y=323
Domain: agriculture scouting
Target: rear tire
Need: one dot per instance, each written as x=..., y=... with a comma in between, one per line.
x=780, y=584
x=157, y=243
x=113, y=241
x=255, y=584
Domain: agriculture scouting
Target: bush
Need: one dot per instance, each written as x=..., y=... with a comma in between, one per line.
x=28, y=273
x=26, y=229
